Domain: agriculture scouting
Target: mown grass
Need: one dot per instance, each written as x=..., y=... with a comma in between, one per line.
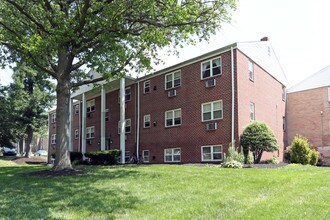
x=166, y=192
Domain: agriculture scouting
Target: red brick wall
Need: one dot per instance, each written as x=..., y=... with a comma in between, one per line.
x=266, y=93
x=191, y=135
x=76, y=124
x=305, y=118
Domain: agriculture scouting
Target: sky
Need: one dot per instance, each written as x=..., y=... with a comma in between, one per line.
x=298, y=30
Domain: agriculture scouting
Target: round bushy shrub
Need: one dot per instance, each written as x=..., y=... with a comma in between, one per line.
x=300, y=150
x=314, y=157
x=232, y=164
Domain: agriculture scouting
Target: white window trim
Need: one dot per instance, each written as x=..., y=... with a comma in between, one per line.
x=53, y=139
x=212, y=116
x=173, y=118
x=146, y=161
x=211, y=71
x=212, y=146
x=144, y=121
x=172, y=73
x=89, y=131
x=172, y=154
x=252, y=64
x=144, y=87
x=53, y=118
x=254, y=111
x=89, y=105
x=76, y=109
x=126, y=123
x=130, y=94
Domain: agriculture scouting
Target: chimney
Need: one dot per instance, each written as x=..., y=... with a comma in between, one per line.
x=264, y=39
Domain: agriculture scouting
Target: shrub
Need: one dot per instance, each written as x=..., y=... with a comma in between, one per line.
x=314, y=156
x=232, y=164
x=105, y=157
x=287, y=154
x=76, y=156
x=273, y=160
x=249, y=158
x=258, y=137
x=300, y=150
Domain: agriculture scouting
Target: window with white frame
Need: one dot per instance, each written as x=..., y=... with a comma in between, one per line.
x=53, y=139
x=252, y=111
x=128, y=94
x=212, y=110
x=173, y=80
x=90, y=132
x=211, y=68
x=251, y=70
x=212, y=153
x=145, y=156
x=53, y=117
x=90, y=104
x=76, y=134
x=106, y=115
x=146, y=87
x=172, y=155
x=283, y=93
x=146, y=121
x=173, y=118
x=76, y=109
x=127, y=126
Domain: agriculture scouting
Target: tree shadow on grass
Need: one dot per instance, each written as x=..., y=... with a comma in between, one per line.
x=76, y=197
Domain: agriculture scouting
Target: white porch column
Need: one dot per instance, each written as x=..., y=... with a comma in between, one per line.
x=122, y=119
x=102, y=118
x=70, y=125
x=83, y=124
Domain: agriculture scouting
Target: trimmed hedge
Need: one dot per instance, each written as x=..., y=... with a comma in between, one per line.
x=76, y=156
x=104, y=157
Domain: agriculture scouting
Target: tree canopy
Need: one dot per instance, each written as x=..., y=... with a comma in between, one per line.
x=258, y=137
x=58, y=37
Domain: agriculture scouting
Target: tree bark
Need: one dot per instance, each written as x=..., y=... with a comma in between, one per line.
x=29, y=133
x=62, y=158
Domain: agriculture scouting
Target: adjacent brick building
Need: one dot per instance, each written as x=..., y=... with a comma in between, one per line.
x=187, y=113
x=308, y=111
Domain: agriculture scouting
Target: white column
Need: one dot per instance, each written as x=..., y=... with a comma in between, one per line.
x=122, y=119
x=138, y=122
x=102, y=118
x=70, y=125
x=83, y=124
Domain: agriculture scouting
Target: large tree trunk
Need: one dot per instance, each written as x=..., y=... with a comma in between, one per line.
x=62, y=158
x=29, y=133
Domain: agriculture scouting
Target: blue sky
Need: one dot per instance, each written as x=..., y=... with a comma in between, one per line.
x=298, y=31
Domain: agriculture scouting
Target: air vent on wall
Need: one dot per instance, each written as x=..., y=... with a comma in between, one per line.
x=210, y=83
x=171, y=93
x=211, y=126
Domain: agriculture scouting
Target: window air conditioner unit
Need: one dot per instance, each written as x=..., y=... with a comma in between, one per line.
x=89, y=115
x=54, y=125
x=210, y=83
x=211, y=126
x=171, y=93
x=89, y=141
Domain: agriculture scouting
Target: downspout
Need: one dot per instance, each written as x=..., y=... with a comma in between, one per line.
x=138, y=121
x=232, y=97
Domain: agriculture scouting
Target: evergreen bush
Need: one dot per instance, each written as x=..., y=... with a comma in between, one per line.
x=104, y=157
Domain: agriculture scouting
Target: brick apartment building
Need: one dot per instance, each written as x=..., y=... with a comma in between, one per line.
x=308, y=111
x=187, y=113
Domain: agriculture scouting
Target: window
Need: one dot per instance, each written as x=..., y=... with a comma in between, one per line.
x=146, y=121
x=106, y=115
x=211, y=68
x=252, y=111
x=212, y=110
x=251, y=70
x=53, y=140
x=76, y=134
x=128, y=94
x=90, y=132
x=146, y=87
x=90, y=105
x=284, y=126
x=127, y=126
x=212, y=153
x=172, y=155
x=145, y=156
x=173, y=118
x=53, y=117
x=172, y=80
x=76, y=109
x=283, y=93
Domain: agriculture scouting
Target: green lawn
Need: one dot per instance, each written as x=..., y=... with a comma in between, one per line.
x=166, y=192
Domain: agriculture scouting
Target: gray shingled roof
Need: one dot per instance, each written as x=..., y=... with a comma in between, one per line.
x=317, y=80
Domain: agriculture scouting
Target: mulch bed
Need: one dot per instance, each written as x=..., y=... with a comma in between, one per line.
x=269, y=165
x=32, y=160
x=53, y=173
